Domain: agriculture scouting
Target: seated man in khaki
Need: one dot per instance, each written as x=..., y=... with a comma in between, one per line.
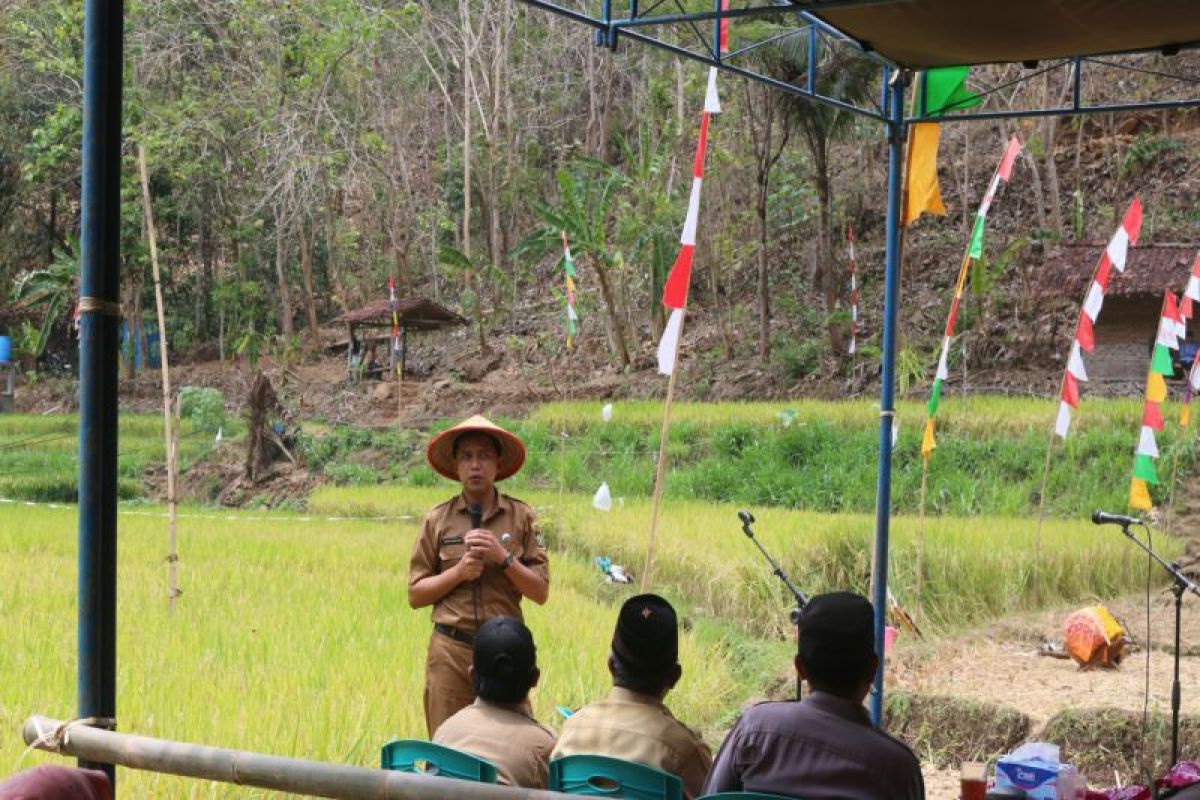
x=498, y=726
x=825, y=747
x=632, y=723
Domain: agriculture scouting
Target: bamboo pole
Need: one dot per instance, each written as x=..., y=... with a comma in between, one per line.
x=170, y=439
x=292, y=775
x=661, y=468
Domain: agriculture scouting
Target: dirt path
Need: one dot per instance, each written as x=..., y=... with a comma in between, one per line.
x=999, y=666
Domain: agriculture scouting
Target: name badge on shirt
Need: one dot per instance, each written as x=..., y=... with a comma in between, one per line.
x=448, y=540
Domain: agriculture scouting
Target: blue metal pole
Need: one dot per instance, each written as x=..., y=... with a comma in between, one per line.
x=98, y=339
x=887, y=400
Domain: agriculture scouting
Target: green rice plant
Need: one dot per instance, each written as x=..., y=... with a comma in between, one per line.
x=294, y=637
x=973, y=569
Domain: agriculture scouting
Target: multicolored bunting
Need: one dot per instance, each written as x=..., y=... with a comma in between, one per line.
x=572, y=314
x=1085, y=341
x=394, y=307
x=853, y=293
x=1193, y=385
x=946, y=90
x=1144, y=472
x=1191, y=292
x=974, y=251
x=675, y=290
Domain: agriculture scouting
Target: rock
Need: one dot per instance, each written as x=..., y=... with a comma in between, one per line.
x=475, y=370
x=383, y=391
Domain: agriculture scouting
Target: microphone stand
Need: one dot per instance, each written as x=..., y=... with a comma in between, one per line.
x=1180, y=584
x=801, y=600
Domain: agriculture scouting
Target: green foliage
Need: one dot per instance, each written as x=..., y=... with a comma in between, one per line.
x=1147, y=149
x=795, y=359
x=203, y=406
x=50, y=289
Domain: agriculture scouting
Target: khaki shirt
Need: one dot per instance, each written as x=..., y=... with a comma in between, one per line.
x=507, y=736
x=637, y=727
x=441, y=545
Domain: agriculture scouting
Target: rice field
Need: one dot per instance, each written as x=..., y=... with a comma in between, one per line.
x=293, y=637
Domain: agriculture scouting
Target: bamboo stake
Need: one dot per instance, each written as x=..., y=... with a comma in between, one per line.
x=1037, y=539
x=172, y=460
x=294, y=776
x=661, y=468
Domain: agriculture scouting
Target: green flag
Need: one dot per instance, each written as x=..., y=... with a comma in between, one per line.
x=1143, y=467
x=946, y=90
x=976, y=249
x=1161, y=361
x=935, y=396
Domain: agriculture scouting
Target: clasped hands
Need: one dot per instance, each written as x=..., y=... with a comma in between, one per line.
x=483, y=548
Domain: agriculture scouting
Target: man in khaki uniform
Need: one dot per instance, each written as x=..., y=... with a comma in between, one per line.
x=477, y=555
x=632, y=723
x=498, y=727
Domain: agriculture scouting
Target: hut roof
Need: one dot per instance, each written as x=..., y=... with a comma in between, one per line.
x=417, y=313
x=1150, y=269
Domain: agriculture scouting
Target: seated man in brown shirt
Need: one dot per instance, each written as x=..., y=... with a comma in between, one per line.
x=498, y=727
x=825, y=746
x=632, y=723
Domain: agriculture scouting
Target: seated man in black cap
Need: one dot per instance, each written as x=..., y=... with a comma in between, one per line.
x=823, y=747
x=632, y=723
x=498, y=726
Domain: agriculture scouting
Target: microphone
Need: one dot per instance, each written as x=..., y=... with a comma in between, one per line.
x=746, y=517
x=1105, y=518
x=476, y=513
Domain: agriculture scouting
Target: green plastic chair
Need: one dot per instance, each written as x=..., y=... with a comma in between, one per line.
x=601, y=776
x=746, y=796
x=427, y=758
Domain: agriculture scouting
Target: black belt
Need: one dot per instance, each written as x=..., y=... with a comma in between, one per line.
x=454, y=633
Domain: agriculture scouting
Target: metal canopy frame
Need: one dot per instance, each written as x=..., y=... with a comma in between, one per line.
x=681, y=34
x=100, y=280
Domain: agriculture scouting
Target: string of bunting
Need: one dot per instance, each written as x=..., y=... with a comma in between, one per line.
x=1085, y=341
x=1161, y=368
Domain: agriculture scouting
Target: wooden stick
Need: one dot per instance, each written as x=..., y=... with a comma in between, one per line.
x=920, y=544
x=1037, y=540
x=661, y=468
x=152, y=238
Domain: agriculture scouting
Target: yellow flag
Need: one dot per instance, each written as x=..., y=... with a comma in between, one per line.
x=1185, y=415
x=924, y=193
x=1139, y=495
x=1156, y=388
x=927, y=443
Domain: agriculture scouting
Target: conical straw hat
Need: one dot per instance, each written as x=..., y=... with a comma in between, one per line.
x=440, y=452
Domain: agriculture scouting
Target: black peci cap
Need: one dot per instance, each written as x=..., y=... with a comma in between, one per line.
x=504, y=650
x=647, y=634
x=838, y=627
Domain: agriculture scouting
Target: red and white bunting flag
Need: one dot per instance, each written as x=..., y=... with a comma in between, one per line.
x=853, y=294
x=1114, y=256
x=1191, y=292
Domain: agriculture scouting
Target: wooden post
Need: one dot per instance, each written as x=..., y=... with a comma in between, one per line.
x=168, y=436
x=661, y=468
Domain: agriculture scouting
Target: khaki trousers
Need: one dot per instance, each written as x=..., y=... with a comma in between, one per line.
x=447, y=687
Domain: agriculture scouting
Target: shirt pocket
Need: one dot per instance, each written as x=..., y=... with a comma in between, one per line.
x=451, y=550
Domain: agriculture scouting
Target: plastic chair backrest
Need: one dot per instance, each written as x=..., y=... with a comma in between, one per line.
x=746, y=796
x=427, y=758
x=602, y=776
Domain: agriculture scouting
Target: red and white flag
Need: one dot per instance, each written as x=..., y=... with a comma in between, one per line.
x=1085, y=338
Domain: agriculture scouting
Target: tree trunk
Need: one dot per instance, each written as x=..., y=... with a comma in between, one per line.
x=616, y=336
x=285, y=291
x=764, y=300
x=207, y=270
x=310, y=301
x=828, y=270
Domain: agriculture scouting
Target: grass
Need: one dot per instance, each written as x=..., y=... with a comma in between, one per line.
x=294, y=638
x=973, y=568
x=822, y=456
x=38, y=454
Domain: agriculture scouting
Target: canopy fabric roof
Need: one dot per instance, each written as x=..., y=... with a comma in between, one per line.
x=417, y=313
x=939, y=33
